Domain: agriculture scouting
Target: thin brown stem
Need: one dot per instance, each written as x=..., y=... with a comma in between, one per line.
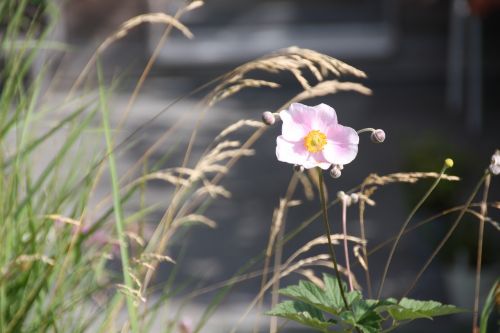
x=346, y=249
x=278, y=254
x=362, y=206
x=254, y=274
x=483, y=213
x=403, y=228
x=447, y=236
x=148, y=67
x=275, y=243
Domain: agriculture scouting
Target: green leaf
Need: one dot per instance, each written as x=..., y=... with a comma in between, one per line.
x=313, y=295
x=302, y=313
x=364, y=315
x=328, y=299
x=488, y=307
x=409, y=309
x=333, y=294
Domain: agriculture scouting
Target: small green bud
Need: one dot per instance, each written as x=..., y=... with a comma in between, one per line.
x=448, y=162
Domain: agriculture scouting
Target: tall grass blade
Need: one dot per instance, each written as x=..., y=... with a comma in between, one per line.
x=132, y=311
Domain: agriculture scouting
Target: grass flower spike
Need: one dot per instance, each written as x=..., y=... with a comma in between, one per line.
x=312, y=137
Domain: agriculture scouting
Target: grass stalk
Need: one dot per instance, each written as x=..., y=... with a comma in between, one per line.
x=148, y=67
x=403, y=228
x=362, y=206
x=278, y=252
x=117, y=206
x=346, y=249
x=483, y=214
x=447, y=236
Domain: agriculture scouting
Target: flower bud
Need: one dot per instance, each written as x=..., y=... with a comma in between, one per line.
x=268, y=118
x=448, y=162
x=298, y=168
x=355, y=198
x=335, y=172
x=495, y=163
x=378, y=136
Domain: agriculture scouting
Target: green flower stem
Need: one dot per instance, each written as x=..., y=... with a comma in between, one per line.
x=447, y=236
x=484, y=213
x=132, y=311
x=405, y=224
x=328, y=235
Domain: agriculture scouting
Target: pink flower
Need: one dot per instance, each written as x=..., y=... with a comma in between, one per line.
x=312, y=137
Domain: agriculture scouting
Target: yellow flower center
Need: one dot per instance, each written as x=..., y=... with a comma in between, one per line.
x=315, y=141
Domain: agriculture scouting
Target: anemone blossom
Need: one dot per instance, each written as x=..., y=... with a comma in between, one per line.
x=312, y=137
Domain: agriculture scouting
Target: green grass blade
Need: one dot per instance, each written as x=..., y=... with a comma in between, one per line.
x=132, y=311
x=489, y=304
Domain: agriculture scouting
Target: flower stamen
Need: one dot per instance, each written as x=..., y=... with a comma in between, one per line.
x=315, y=141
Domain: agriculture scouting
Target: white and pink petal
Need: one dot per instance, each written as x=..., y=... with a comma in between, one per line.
x=342, y=135
x=316, y=160
x=293, y=128
x=290, y=152
x=336, y=153
x=298, y=121
x=323, y=117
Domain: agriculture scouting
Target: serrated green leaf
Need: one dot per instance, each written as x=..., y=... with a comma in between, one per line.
x=313, y=295
x=329, y=299
x=302, y=313
x=308, y=291
x=409, y=309
x=364, y=315
x=332, y=291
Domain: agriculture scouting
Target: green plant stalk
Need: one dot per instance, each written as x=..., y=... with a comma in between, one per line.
x=30, y=296
x=403, y=228
x=484, y=213
x=242, y=274
x=43, y=138
x=328, y=235
x=488, y=307
x=132, y=311
x=70, y=141
x=447, y=236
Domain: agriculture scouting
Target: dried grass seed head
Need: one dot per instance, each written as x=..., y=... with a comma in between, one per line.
x=295, y=61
